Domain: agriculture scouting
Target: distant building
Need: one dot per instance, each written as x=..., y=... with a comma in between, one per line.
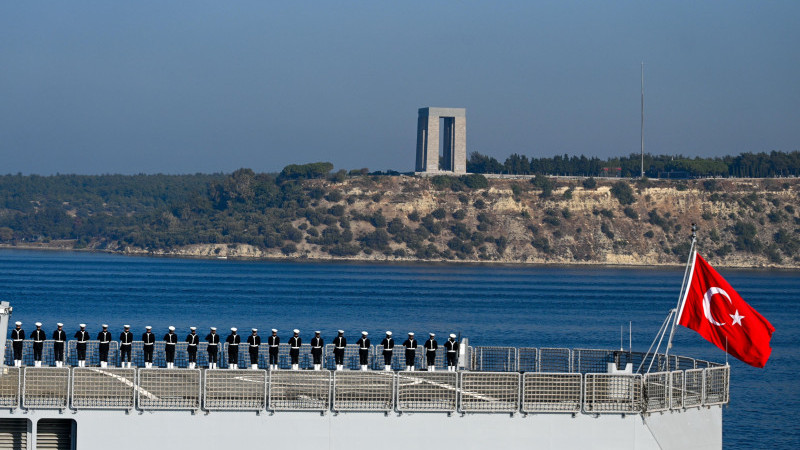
x=454, y=140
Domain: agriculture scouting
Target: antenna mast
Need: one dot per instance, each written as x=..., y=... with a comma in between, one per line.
x=642, y=130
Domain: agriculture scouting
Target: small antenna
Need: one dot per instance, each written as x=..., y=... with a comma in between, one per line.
x=630, y=336
x=620, y=338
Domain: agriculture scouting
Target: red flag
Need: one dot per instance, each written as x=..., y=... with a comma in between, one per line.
x=716, y=311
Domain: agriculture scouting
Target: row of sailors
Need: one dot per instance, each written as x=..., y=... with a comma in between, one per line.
x=213, y=339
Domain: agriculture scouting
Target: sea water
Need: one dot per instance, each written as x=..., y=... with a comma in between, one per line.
x=522, y=306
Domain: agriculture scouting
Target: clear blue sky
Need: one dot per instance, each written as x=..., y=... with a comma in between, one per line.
x=209, y=86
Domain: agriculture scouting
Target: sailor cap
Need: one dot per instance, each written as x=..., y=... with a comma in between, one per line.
x=388, y=333
x=148, y=327
x=105, y=326
x=171, y=328
x=410, y=333
x=452, y=335
x=255, y=329
x=274, y=330
x=213, y=328
x=192, y=328
x=83, y=325
x=364, y=333
x=296, y=331
x=433, y=334
x=341, y=331
x=59, y=324
x=126, y=326
x=234, y=329
x=316, y=332
x=38, y=324
x=19, y=323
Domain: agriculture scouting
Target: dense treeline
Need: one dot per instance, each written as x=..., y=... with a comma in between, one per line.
x=748, y=165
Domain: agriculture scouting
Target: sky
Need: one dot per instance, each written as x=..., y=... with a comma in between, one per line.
x=95, y=87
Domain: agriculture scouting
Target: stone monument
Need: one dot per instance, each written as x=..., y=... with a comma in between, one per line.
x=454, y=142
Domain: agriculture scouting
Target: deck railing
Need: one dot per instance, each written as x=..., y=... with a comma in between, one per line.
x=77, y=388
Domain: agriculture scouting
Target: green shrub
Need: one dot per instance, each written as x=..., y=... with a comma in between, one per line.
x=589, y=183
x=623, y=192
x=630, y=212
x=475, y=181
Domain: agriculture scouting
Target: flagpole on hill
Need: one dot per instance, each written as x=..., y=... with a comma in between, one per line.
x=687, y=275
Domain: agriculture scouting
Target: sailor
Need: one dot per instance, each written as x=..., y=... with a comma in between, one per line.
x=213, y=347
x=105, y=342
x=274, y=342
x=170, y=343
x=430, y=352
x=363, y=350
x=125, y=346
x=83, y=337
x=38, y=337
x=294, y=349
x=59, y=338
x=254, y=342
x=451, y=345
x=233, y=341
x=388, y=350
x=17, y=339
x=148, y=345
x=411, y=351
x=316, y=350
x=339, y=344
x=192, y=340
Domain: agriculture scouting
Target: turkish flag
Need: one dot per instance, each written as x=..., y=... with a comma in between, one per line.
x=716, y=311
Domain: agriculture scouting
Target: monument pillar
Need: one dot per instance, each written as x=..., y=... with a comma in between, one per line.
x=453, y=138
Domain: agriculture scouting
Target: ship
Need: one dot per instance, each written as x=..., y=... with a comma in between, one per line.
x=499, y=397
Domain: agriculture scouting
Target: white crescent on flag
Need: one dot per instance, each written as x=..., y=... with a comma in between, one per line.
x=707, y=303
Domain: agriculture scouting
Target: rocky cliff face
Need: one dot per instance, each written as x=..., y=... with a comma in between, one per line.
x=741, y=223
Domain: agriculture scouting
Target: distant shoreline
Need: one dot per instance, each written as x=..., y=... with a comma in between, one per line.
x=382, y=261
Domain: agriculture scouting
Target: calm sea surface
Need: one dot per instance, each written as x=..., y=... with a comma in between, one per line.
x=492, y=305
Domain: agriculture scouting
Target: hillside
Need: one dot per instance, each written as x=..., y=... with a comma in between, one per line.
x=743, y=223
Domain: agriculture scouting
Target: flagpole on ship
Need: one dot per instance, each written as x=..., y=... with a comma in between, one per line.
x=687, y=276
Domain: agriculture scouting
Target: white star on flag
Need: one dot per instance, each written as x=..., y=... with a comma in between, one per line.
x=736, y=318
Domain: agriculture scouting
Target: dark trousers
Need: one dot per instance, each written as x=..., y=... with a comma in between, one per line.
x=81, y=349
x=410, y=356
x=169, y=352
x=451, y=358
x=431, y=357
x=233, y=354
x=125, y=352
x=294, y=354
x=192, y=352
x=387, y=358
x=58, y=351
x=338, y=356
x=273, y=355
x=317, y=355
x=148, y=353
x=253, y=355
x=363, y=356
x=212, y=353
x=103, y=350
x=37, y=351
x=17, y=350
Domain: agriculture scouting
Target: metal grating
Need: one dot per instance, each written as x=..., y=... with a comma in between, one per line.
x=715, y=388
x=496, y=359
x=305, y=360
x=235, y=390
x=657, y=391
x=551, y=392
x=351, y=359
x=676, y=390
x=554, y=360
x=398, y=358
x=9, y=387
x=45, y=387
x=427, y=391
x=527, y=359
x=94, y=388
x=174, y=389
x=299, y=390
x=92, y=353
x=693, y=388
x=489, y=392
x=363, y=391
x=592, y=360
x=683, y=363
x=606, y=393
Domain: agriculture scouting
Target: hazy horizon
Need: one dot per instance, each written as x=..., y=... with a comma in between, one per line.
x=208, y=87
